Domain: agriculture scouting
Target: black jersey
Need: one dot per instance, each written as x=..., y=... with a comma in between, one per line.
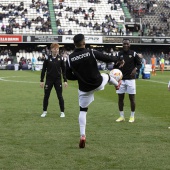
x=82, y=66
x=132, y=60
x=53, y=67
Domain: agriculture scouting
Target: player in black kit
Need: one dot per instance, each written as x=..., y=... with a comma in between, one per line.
x=132, y=64
x=53, y=66
x=82, y=66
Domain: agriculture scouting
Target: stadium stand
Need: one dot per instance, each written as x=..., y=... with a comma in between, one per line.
x=155, y=16
x=73, y=16
x=91, y=17
x=24, y=17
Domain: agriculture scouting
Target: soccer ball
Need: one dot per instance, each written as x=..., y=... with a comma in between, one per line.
x=116, y=74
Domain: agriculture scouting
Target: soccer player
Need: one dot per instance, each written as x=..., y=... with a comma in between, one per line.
x=162, y=64
x=81, y=65
x=153, y=63
x=53, y=66
x=132, y=64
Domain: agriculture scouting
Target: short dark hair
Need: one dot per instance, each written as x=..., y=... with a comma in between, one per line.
x=77, y=39
x=126, y=39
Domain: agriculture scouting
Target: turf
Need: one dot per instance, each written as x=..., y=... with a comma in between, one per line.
x=29, y=142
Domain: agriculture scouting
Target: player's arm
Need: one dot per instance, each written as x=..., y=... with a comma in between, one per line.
x=69, y=72
x=104, y=57
x=138, y=61
x=108, y=58
x=63, y=68
x=138, y=64
x=43, y=71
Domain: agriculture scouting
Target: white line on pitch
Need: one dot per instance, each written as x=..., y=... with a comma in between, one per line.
x=3, y=79
x=154, y=81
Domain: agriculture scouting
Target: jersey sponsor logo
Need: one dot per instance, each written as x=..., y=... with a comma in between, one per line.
x=79, y=57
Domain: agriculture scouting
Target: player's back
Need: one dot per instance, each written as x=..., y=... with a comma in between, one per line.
x=153, y=60
x=84, y=66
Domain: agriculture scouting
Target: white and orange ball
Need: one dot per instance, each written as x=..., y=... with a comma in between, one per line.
x=116, y=74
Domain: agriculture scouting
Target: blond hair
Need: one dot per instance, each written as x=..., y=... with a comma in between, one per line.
x=54, y=45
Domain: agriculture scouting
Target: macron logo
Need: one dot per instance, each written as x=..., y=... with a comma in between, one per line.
x=80, y=56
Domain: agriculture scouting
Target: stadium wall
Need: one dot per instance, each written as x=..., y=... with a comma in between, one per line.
x=67, y=39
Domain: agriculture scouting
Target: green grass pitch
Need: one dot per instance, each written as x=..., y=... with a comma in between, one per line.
x=29, y=142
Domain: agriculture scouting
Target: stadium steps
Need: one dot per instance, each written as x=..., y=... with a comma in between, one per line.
x=120, y=26
x=135, y=33
x=15, y=60
x=126, y=11
x=52, y=17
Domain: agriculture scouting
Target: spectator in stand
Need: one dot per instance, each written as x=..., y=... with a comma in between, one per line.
x=58, y=22
x=92, y=15
x=9, y=30
x=127, y=32
x=60, y=31
x=84, y=24
x=86, y=16
x=148, y=25
x=148, y=6
x=90, y=24
x=77, y=21
x=3, y=27
x=69, y=32
x=115, y=7
x=120, y=31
